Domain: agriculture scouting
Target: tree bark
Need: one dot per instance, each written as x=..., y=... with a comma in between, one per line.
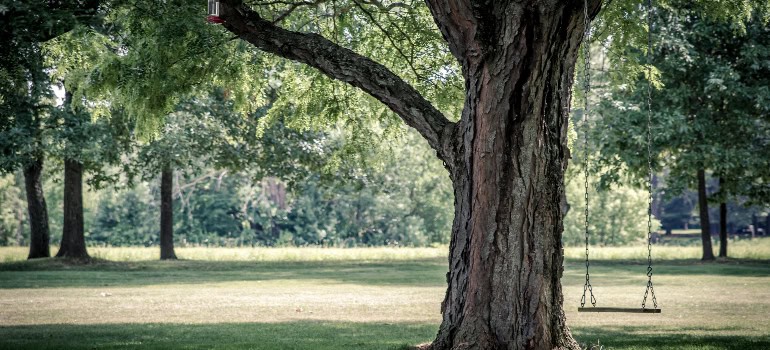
x=705, y=223
x=722, y=224
x=73, y=242
x=506, y=260
x=506, y=156
x=167, y=214
x=39, y=236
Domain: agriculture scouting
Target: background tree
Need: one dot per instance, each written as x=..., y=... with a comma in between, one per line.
x=204, y=139
x=91, y=151
x=299, y=189
x=191, y=137
x=86, y=146
x=619, y=214
x=709, y=115
x=26, y=95
x=12, y=216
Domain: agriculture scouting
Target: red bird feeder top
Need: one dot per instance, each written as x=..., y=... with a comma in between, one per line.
x=214, y=19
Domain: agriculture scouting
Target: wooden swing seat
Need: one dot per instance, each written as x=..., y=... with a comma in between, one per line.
x=636, y=310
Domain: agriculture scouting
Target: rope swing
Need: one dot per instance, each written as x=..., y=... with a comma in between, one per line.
x=649, y=291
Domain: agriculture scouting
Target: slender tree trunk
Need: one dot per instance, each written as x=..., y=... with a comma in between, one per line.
x=167, y=214
x=722, y=224
x=20, y=229
x=754, y=225
x=705, y=224
x=39, y=234
x=73, y=242
x=723, y=230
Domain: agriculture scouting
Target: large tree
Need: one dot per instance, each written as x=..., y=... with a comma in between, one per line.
x=506, y=155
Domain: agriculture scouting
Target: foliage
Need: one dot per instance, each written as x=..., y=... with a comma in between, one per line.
x=12, y=213
x=156, y=55
x=406, y=200
x=710, y=114
x=130, y=213
x=25, y=93
x=678, y=211
x=621, y=29
x=617, y=216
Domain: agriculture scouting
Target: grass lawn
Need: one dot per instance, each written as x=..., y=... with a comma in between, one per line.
x=378, y=298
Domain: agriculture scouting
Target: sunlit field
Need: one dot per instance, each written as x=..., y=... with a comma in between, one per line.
x=259, y=254
x=360, y=298
x=739, y=249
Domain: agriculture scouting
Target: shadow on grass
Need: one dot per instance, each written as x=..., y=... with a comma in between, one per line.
x=52, y=273
x=267, y=336
x=638, y=338
x=331, y=335
x=683, y=267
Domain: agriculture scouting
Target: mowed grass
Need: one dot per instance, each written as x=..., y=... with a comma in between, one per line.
x=363, y=298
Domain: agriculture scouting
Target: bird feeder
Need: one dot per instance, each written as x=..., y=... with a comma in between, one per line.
x=213, y=13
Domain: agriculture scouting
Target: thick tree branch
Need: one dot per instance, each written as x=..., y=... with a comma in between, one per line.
x=341, y=64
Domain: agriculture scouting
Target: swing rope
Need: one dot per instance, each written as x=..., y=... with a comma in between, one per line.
x=649, y=291
x=586, y=90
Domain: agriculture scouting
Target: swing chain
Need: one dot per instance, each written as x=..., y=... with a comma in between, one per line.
x=649, y=289
x=586, y=89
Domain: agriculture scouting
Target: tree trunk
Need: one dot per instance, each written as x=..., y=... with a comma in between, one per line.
x=723, y=230
x=506, y=259
x=705, y=223
x=39, y=234
x=167, y=214
x=73, y=241
x=722, y=224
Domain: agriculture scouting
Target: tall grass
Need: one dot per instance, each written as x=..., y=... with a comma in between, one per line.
x=257, y=254
x=758, y=248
